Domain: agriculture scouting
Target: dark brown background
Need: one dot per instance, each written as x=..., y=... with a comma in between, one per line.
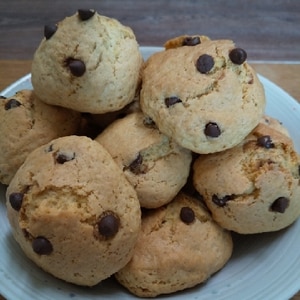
x=268, y=30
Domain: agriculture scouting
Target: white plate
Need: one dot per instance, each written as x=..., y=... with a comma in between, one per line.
x=263, y=266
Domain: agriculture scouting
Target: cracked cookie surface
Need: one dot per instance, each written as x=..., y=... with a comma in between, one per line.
x=199, y=97
x=254, y=186
x=88, y=65
x=156, y=166
x=179, y=247
x=26, y=123
x=73, y=212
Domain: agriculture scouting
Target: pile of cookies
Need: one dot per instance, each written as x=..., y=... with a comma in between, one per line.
x=138, y=169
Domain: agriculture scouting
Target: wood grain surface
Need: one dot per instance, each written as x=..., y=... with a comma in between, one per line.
x=268, y=29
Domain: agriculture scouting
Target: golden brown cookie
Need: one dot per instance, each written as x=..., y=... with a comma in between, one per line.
x=253, y=187
x=26, y=123
x=179, y=247
x=206, y=97
x=270, y=125
x=155, y=165
x=73, y=212
x=87, y=62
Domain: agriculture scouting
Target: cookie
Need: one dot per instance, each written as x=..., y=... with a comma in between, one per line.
x=206, y=97
x=87, y=62
x=185, y=40
x=270, y=123
x=155, y=165
x=73, y=212
x=180, y=246
x=254, y=186
x=26, y=123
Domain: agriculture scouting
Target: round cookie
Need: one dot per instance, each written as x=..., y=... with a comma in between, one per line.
x=254, y=186
x=26, y=123
x=206, y=96
x=73, y=212
x=155, y=165
x=87, y=62
x=179, y=247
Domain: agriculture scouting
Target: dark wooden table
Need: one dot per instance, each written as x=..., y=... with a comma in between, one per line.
x=269, y=30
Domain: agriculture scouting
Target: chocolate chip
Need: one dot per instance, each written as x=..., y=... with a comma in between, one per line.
x=108, y=225
x=222, y=201
x=191, y=41
x=136, y=166
x=238, y=55
x=212, y=130
x=204, y=63
x=15, y=200
x=76, y=66
x=85, y=14
x=265, y=141
x=280, y=204
x=61, y=158
x=12, y=103
x=169, y=101
x=187, y=215
x=49, y=30
x=42, y=246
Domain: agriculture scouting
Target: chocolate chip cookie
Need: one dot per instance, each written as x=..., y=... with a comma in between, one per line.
x=73, y=212
x=205, y=96
x=155, y=165
x=87, y=62
x=179, y=247
x=26, y=123
x=254, y=186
